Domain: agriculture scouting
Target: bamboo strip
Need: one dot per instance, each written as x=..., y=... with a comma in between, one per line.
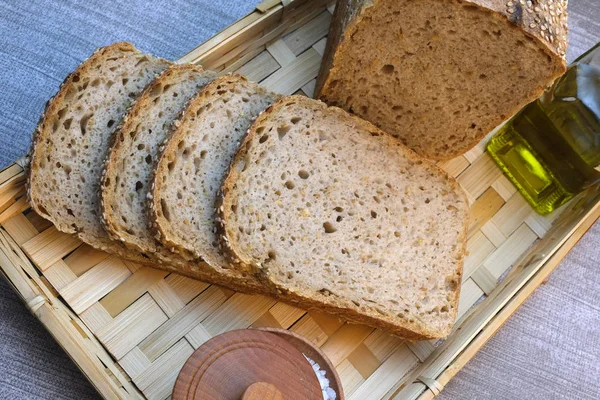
x=387, y=375
x=510, y=251
x=512, y=214
x=130, y=327
x=20, y=229
x=478, y=178
x=10, y=196
x=309, y=88
x=350, y=377
x=281, y=53
x=485, y=280
x=479, y=248
x=309, y=328
x=504, y=187
x=95, y=317
x=285, y=314
x=249, y=55
x=422, y=349
x=320, y=46
x=484, y=209
x=59, y=275
x=50, y=246
x=84, y=258
x=185, y=288
x=135, y=362
x=539, y=224
x=14, y=209
x=197, y=336
x=259, y=68
x=455, y=166
x=95, y=284
x=382, y=344
x=239, y=311
x=157, y=381
x=9, y=172
x=493, y=233
x=39, y=223
x=166, y=298
x=292, y=77
x=131, y=289
x=181, y=323
x=329, y=323
x=344, y=341
x=308, y=34
x=469, y=294
x=363, y=360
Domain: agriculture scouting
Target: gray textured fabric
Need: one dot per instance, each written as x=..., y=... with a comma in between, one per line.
x=549, y=349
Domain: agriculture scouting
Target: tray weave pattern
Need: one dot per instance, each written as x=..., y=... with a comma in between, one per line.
x=150, y=321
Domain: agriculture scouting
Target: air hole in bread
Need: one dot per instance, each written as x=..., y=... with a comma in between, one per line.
x=84, y=121
x=387, y=69
x=186, y=153
x=373, y=214
x=263, y=138
x=290, y=185
x=303, y=174
x=62, y=112
x=170, y=166
x=329, y=227
x=282, y=131
x=164, y=208
x=295, y=120
x=67, y=123
x=138, y=185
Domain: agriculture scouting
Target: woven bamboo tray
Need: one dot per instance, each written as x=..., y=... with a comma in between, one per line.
x=130, y=328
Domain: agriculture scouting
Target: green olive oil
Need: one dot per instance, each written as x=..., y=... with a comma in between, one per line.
x=550, y=150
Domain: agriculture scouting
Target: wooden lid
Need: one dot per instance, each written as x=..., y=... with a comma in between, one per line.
x=247, y=364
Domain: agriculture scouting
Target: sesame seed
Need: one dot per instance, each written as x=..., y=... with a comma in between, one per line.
x=509, y=4
x=510, y=10
x=532, y=25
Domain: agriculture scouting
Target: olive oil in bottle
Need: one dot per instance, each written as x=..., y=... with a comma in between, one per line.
x=550, y=150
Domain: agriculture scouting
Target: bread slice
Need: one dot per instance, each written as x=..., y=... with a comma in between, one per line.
x=441, y=74
x=192, y=167
x=72, y=139
x=129, y=167
x=337, y=215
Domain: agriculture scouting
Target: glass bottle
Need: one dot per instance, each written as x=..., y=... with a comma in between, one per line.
x=550, y=150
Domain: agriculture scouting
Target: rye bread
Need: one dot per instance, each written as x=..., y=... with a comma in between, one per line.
x=440, y=74
x=128, y=171
x=192, y=167
x=336, y=215
x=71, y=140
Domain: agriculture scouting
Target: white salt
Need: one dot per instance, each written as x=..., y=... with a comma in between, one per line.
x=328, y=393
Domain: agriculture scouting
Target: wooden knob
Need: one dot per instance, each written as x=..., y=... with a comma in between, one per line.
x=262, y=391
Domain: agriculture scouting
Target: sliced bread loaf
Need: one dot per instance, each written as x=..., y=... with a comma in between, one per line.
x=192, y=167
x=441, y=74
x=334, y=214
x=73, y=136
x=128, y=170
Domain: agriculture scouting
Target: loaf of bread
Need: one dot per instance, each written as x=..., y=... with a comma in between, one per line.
x=72, y=138
x=193, y=165
x=334, y=214
x=440, y=74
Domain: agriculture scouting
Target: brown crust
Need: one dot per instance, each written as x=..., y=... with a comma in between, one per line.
x=228, y=244
x=545, y=21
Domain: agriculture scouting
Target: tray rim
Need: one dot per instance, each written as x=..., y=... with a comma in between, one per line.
x=93, y=359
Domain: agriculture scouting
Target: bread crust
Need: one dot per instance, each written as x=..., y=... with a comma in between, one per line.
x=228, y=244
x=544, y=21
